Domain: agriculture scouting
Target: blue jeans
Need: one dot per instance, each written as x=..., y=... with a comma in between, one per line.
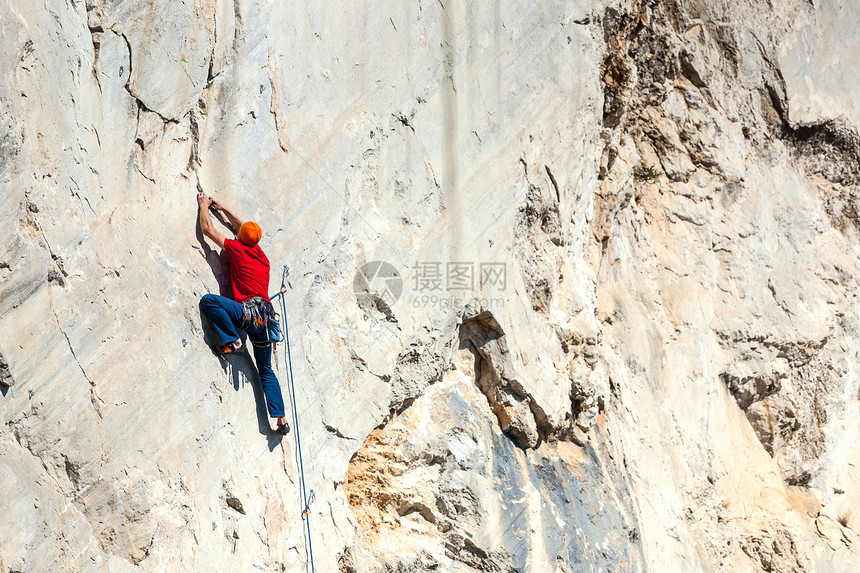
x=227, y=316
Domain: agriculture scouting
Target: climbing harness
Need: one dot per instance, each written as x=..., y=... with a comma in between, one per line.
x=307, y=500
x=259, y=313
x=255, y=312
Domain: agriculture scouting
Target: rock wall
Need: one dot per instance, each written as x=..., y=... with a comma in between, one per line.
x=572, y=285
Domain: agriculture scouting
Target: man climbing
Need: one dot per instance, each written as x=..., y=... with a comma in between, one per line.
x=250, y=306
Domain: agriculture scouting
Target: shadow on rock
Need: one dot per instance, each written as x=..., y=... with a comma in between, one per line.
x=240, y=368
x=218, y=262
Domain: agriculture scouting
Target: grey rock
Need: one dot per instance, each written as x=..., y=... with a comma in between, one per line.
x=6, y=378
x=626, y=333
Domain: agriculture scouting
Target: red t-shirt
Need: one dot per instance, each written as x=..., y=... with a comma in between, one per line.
x=249, y=270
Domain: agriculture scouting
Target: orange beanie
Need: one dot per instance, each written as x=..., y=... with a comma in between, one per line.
x=250, y=233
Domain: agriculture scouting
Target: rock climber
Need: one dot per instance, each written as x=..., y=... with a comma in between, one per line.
x=249, y=281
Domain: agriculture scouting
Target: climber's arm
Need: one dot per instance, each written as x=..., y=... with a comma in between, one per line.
x=206, y=227
x=235, y=221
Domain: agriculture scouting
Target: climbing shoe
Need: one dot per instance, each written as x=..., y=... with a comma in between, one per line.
x=283, y=429
x=229, y=348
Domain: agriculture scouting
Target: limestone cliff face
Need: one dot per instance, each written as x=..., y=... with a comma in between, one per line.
x=616, y=327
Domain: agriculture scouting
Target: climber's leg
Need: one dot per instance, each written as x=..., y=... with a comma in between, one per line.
x=268, y=380
x=225, y=315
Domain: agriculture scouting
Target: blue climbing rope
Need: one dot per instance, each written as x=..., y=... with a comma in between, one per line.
x=306, y=511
